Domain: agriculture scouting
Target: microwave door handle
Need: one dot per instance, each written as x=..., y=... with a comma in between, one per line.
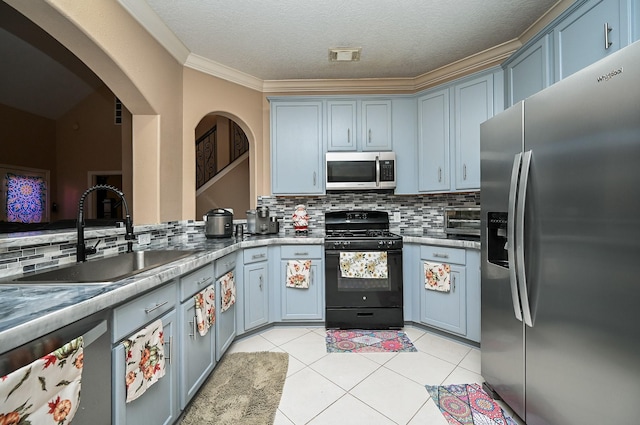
x=377, y=171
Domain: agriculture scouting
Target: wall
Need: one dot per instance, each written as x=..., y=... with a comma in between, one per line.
x=87, y=140
x=204, y=95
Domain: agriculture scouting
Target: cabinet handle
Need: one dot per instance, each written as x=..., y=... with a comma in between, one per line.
x=348, y=135
x=300, y=253
x=170, y=356
x=438, y=255
x=314, y=178
x=607, y=30
x=260, y=285
x=310, y=277
x=205, y=280
x=157, y=306
x=439, y=174
x=255, y=257
x=231, y=263
x=193, y=328
x=464, y=171
x=454, y=283
x=369, y=142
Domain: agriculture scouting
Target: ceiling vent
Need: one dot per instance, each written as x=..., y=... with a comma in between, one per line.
x=344, y=54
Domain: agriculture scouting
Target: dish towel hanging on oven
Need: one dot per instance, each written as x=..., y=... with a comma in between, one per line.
x=205, y=309
x=298, y=274
x=227, y=291
x=437, y=276
x=364, y=265
x=47, y=391
x=144, y=353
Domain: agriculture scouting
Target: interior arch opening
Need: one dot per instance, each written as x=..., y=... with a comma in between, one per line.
x=222, y=165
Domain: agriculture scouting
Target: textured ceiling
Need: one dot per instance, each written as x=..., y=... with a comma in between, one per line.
x=289, y=39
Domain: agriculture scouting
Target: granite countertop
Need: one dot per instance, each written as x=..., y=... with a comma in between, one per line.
x=32, y=310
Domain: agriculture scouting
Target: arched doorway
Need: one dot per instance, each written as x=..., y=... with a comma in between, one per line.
x=222, y=166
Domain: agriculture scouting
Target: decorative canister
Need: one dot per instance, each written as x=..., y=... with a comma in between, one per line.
x=300, y=219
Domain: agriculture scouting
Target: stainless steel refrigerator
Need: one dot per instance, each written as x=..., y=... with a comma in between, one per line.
x=561, y=248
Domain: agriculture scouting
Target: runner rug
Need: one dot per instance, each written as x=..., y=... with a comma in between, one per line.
x=245, y=388
x=366, y=341
x=468, y=404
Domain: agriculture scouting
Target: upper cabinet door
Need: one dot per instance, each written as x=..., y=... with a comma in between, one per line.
x=529, y=72
x=473, y=106
x=297, y=153
x=376, y=125
x=433, y=142
x=590, y=33
x=341, y=131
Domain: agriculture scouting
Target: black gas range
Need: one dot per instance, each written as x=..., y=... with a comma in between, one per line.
x=363, y=271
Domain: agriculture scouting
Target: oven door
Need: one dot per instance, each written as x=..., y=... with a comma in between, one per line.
x=344, y=290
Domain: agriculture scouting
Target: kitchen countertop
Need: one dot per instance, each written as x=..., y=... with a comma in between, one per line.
x=32, y=310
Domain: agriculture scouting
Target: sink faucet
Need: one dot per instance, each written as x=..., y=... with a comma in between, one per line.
x=81, y=250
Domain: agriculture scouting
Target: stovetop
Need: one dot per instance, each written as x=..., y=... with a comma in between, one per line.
x=359, y=230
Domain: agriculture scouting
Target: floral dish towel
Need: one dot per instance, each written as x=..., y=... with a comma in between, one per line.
x=437, y=276
x=205, y=309
x=144, y=353
x=298, y=274
x=364, y=265
x=46, y=391
x=227, y=291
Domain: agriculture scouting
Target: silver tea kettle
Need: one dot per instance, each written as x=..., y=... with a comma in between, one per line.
x=218, y=223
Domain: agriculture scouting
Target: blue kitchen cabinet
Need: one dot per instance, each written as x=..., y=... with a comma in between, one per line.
x=159, y=403
x=341, y=125
x=445, y=310
x=529, y=71
x=299, y=304
x=297, y=153
x=434, y=141
x=376, y=125
x=405, y=137
x=473, y=106
x=255, y=300
x=197, y=352
x=225, y=321
x=590, y=33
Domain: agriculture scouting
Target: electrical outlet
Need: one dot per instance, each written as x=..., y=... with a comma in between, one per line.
x=144, y=239
x=396, y=216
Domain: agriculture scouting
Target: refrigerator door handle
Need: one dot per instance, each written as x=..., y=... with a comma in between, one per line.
x=511, y=233
x=522, y=276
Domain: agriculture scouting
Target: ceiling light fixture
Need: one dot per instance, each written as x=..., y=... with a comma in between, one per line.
x=345, y=54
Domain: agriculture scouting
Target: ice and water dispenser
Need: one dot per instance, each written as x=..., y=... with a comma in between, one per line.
x=497, y=243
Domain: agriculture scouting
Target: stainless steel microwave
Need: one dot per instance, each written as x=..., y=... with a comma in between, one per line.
x=361, y=171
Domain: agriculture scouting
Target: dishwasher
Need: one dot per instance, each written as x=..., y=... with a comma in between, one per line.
x=95, y=398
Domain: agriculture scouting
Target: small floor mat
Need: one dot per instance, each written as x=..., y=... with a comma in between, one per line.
x=367, y=341
x=468, y=404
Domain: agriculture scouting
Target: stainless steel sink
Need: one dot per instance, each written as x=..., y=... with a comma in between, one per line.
x=106, y=270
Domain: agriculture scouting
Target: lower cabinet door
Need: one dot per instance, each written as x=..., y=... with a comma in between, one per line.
x=197, y=353
x=446, y=310
x=256, y=300
x=307, y=303
x=225, y=324
x=159, y=403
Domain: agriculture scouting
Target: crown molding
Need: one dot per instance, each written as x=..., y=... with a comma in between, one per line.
x=219, y=70
x=551, y=14
x=150, y=21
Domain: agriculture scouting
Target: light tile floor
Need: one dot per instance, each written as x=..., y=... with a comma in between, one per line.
x=376, y=388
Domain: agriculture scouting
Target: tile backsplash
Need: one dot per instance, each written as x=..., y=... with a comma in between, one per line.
x=416, y=211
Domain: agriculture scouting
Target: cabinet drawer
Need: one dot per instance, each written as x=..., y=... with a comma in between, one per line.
x=253, y=255
x=442, y=254
x=301, y=251
x=196, y=281
x=144, y=309
x=225, y=264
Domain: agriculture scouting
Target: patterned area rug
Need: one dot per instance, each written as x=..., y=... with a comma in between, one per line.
x=468, y=404
x=365, y=341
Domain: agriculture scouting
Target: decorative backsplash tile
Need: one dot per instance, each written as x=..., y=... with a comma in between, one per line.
x=416, y=211
x=36, y=252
